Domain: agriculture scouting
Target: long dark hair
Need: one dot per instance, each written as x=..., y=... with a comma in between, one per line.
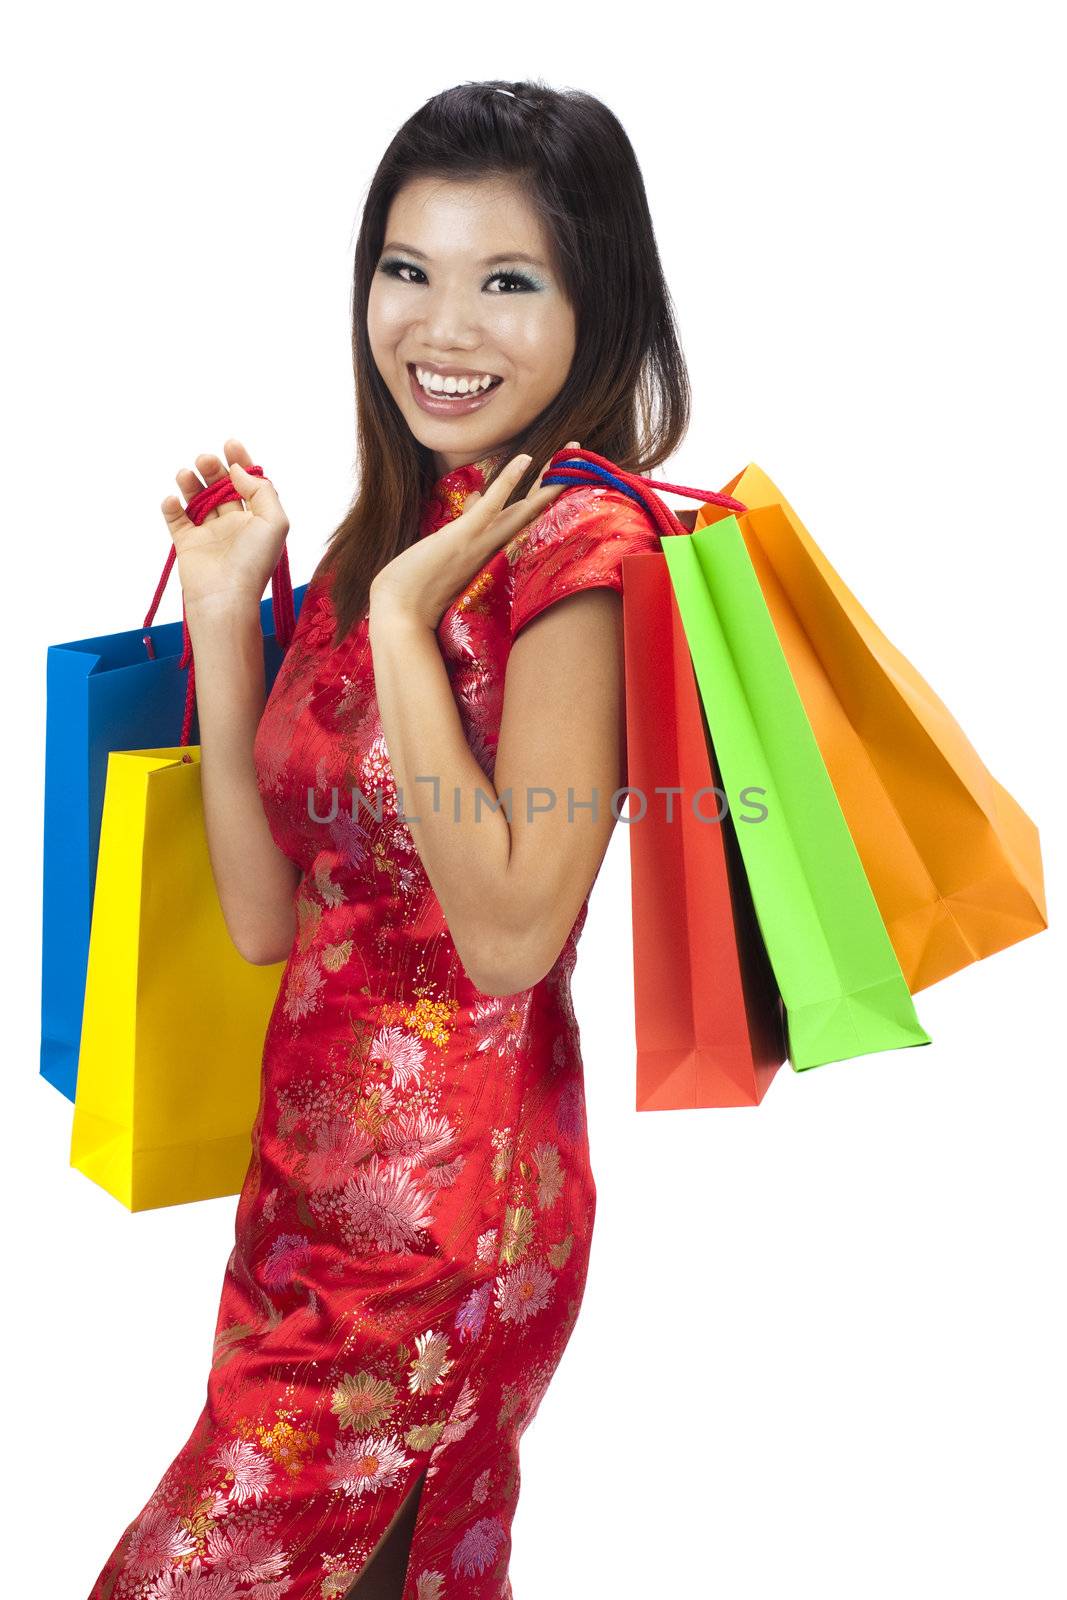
x=627, y=394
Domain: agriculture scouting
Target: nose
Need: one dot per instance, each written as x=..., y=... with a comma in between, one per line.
x=450, y=321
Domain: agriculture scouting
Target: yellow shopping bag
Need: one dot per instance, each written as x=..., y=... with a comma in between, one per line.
x=954, y=862
x=174, y=1019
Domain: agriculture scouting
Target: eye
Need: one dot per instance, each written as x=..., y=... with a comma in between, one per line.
x=394, y=269
x=519, y=279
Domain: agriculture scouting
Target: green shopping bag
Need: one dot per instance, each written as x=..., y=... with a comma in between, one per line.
x=844, y=992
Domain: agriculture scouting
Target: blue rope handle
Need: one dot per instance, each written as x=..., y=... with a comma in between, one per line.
x=644, y=492
x=579, y=471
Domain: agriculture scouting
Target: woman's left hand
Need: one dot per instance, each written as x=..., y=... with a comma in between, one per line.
x=423, y=580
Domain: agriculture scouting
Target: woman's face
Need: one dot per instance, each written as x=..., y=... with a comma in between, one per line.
x=465, y=289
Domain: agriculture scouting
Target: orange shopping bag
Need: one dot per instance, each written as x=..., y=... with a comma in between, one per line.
x=710, y=1030
x=953, y=861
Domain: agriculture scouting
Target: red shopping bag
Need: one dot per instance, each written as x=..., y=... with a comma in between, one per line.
x=710, y=1026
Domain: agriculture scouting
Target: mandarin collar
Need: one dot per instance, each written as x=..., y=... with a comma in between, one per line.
x=449, y=494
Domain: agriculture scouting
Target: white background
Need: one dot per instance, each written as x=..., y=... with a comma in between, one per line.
x=821, y=1347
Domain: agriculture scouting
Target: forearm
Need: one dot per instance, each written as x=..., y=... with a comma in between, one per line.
x=255, y=880
x=465, y=844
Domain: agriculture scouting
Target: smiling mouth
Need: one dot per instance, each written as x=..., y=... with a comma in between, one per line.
x=462, y=387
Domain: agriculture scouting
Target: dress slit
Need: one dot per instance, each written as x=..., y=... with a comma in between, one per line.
x=417, y=1490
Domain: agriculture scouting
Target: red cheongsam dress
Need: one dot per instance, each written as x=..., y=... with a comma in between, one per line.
x=413, y=1234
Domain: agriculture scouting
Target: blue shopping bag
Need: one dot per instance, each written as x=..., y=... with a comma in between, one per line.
x=103, y=694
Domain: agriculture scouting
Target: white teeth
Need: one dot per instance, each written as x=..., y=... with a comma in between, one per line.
x=433, y=382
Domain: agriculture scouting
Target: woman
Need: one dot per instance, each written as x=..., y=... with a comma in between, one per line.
x=413, y=822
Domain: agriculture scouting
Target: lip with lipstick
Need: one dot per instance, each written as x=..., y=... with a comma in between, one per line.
x=451, y=391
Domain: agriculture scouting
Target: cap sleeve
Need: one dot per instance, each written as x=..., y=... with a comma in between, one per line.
x=578, y=543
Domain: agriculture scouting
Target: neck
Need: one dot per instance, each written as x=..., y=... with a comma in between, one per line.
x=444, y=464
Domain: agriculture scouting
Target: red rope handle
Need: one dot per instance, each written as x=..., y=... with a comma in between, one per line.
x=648, y=489
x=282, y=606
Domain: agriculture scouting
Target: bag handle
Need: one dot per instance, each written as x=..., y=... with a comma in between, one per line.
x=282, y=606
x=585, y=466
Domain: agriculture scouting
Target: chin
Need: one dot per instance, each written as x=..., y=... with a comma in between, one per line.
x=453, y=438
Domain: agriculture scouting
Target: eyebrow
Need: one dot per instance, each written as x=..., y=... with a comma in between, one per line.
x=490, y=261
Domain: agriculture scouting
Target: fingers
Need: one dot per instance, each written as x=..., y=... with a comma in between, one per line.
x=235, y=451
x=260, y=495
x=209, y=469
x=493, y=499
x=503, y=522
x=572, y=444
x=188, y=483
x=542, y=495
x=174, y=516
x=489, y=513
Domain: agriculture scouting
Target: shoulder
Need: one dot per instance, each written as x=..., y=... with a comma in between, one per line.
x=585, y=518
x=589, y=508
x=579, y=542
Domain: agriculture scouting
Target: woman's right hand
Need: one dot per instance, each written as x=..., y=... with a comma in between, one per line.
x=236, y=548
